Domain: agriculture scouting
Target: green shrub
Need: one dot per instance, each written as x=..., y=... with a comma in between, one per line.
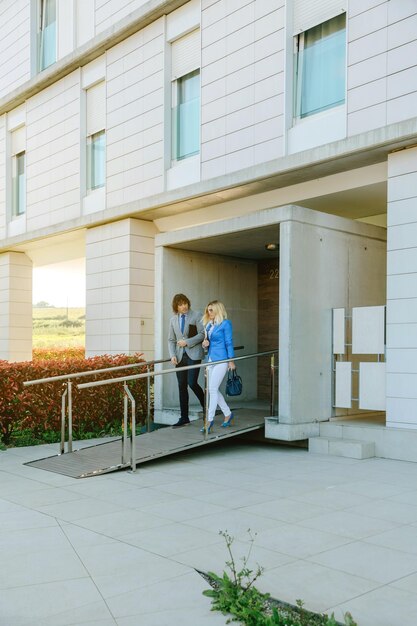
x=36, y=409
x=71, y=324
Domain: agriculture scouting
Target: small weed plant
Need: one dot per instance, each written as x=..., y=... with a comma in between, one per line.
x=234, y=593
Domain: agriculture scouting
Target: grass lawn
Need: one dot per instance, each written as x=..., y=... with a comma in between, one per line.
x=55, y=327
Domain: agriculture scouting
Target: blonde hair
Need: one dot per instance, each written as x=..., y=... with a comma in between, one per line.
x=220, y=312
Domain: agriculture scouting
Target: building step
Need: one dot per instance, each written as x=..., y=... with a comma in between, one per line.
x=351, y=448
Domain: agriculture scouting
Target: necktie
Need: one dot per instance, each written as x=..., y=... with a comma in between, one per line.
x=182, y=322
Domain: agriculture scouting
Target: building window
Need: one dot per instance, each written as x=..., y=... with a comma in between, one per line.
x=18, y=185
x=185, y=99
x=47, y=33
x=186, y=116
x=320, y=67
x=96, y=160
x=96, y=136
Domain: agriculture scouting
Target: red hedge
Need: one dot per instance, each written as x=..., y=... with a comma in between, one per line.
x=38, y=407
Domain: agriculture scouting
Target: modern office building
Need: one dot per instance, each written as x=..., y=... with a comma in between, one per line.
x=263, y=152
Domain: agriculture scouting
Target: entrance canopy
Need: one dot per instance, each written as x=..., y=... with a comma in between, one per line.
x=322, y=262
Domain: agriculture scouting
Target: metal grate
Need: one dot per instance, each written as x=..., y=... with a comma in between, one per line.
x=106, y=457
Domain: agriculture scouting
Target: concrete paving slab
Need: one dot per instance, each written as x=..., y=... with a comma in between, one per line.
x=319, y=587
x=183, y=509
x=235, y=521
x=347, y=524
x=286, y=510
x=331, y=498
x=43, y=497
x=25, y=518
x=207, y=558
x=171, y=539
x=406, y=540
x=406, y=497
x=373, y=490
x=376, y=563
x=232, y=498
x=121, y=522
x=118, y=568
x=134, y=498
x=385, y=606
x=31, y=604
x=388, y=510
x=33, y=568
x=408, y=583
x=184, y=593
x=23, y=542
x=297, y=541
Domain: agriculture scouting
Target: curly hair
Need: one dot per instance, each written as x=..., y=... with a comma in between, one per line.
x=178, y=299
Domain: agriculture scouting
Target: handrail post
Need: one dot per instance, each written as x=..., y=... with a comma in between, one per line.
x=69, y=383
x=125, y=412
x=272, y=384
x=206, y=402
x=133, y=437
x=129, y=395
x=63, y=413
x=148, y=394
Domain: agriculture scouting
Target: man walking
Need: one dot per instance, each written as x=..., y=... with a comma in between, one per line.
x=186, y=333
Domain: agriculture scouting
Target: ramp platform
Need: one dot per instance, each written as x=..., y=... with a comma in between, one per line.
x=107, y=456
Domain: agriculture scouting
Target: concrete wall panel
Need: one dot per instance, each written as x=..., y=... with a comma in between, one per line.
x=16, y=307
x=381, y=47
x=135, y=166
x=14, y=44
x=402, y=289
x=320, y=269
x=205, y=277
x=242, y=54
x=120, y=288
x=53, y=148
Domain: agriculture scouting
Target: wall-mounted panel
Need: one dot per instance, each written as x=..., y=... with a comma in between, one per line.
x=368, y=330
x=372, y=386
x=343, y=385
x=339, y=331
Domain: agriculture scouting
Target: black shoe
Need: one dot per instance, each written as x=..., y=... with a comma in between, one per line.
x=181, y=423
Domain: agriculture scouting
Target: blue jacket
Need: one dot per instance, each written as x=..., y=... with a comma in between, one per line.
x=221, y=342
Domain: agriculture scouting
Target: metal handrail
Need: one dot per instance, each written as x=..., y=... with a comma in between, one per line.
x=66, y=398
x=51, y=379
x=120, y=379
x=125, y=379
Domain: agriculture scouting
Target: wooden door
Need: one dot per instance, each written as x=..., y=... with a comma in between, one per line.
x=268, y=308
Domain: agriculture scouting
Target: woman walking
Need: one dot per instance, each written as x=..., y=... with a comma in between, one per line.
x=219, y=341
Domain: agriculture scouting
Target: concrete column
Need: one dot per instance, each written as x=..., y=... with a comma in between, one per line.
x=340, y=265
x=402, y=290
x=15, y=307
x=120, y=288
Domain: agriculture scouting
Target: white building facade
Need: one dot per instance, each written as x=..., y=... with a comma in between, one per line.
x=167, y=142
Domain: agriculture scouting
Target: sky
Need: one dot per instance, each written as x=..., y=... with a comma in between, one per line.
x=61, y=285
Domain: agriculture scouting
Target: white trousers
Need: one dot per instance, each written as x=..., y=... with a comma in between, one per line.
x=216, y=373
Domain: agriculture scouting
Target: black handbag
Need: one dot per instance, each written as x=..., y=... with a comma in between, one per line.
x=234, y=384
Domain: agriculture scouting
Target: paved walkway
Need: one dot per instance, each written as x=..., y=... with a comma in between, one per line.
x=121, y=549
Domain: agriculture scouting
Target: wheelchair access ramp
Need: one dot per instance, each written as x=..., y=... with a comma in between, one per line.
x=106, y=457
